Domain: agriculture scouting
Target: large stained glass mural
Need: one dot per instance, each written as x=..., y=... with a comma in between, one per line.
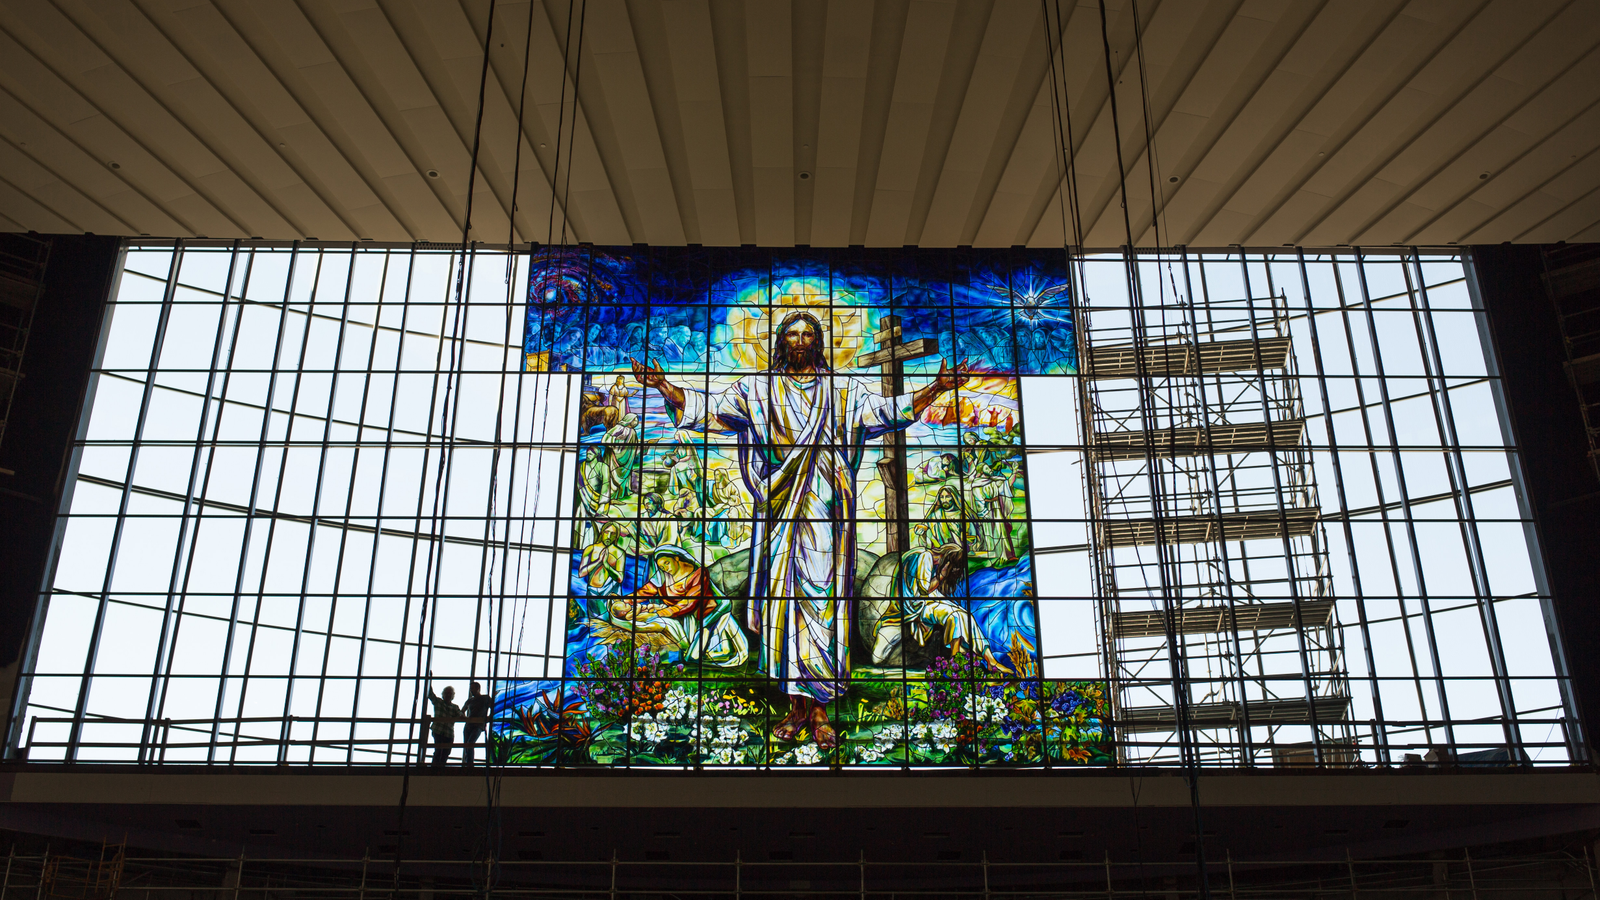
x=800, y=531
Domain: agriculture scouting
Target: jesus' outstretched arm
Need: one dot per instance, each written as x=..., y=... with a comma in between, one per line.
x=947, y=380
x=654, y=377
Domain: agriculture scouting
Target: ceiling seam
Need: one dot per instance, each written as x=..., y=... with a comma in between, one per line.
x=165, y=107
x=68, y=139
x=1534, y=144
x=942, y=134
x=1497, y=213
x=733, y=85
x=437, y=185
x=378, y=189
x=808, y=27
x=637, y=137
x=69, y=185
x=508, y=95
x=1004, y=146
x=128, y=135
x=1585, y=228
x=532, y=150
x=41, y=204
x=1230, y=118
x=1372, y=168
x=1595, y=153
x=587, y=116
x=214, y=86
x=1338, y=142
x=661, y=94
x=1044, y=103
x=1230, y=189
x=966, y=47
x=1159, y=199
x=877, y=96
x=690, y=50
x=436, y=188
x=1592, y=192
x=1101, y=119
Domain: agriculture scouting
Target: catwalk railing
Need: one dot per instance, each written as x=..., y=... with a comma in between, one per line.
x=1570, y=876
x=385, y=742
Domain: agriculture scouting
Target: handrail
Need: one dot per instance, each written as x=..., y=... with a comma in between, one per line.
x=404, y=742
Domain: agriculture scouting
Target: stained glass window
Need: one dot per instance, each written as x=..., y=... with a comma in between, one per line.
x=801, y=520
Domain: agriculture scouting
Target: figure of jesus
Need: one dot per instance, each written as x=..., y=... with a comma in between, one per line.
x=801, y=431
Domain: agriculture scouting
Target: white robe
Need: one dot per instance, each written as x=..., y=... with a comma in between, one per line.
x=800, y=448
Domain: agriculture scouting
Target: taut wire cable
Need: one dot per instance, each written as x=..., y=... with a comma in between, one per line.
x=446, y=423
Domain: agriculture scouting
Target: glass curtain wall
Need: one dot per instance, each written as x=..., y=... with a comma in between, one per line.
x=1278, y=509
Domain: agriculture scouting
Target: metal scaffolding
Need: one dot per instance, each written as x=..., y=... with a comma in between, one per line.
x=1209, y=545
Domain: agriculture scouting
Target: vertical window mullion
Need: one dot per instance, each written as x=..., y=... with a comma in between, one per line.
x=183, y=558
x=91, y=656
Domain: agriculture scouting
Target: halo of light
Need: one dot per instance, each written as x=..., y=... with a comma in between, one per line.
x=745, y=334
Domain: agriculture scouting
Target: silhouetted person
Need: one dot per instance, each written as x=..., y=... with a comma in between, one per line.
x=476, y=713
x=445, y=714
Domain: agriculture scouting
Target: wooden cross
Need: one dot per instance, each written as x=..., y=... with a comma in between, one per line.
x=892, y=355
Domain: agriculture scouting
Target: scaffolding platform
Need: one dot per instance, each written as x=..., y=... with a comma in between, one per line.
x=1232, y=526
x=1230, y=714
x=1206, y=357
x=1170, y=443
x=1224, y=619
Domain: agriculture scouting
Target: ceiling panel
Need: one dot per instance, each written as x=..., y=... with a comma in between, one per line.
x=782, y=122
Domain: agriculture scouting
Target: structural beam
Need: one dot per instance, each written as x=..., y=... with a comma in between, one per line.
x=1238, y=526
x=1224, y=619
x=1232, y=715
x=1165, y=360
x=1220, y=439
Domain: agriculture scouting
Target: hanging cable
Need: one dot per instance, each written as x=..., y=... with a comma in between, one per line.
x=1188, y=754
x=446, y=423
x=491, y=840
x=572, y=131
x=1158, y=203
x=549, y=256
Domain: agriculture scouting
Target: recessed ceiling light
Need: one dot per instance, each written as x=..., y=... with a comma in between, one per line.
x=1173, y=179
x=805, y=176
x=114, y=165
x=433, y=173
x=1483, y=176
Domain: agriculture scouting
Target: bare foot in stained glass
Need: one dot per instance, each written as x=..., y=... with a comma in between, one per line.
x=793, y=722
x=821, y=730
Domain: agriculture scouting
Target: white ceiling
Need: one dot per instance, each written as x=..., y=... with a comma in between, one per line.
x=821, y=122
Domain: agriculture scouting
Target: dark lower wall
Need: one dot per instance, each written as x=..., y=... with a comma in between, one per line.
x=44, y=418
x=1562, y=486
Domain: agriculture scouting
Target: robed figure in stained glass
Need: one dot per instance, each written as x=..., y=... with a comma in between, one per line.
x=801, y=432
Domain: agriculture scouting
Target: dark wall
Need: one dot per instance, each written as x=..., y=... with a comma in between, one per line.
x=1562, y=484
x=44, y=419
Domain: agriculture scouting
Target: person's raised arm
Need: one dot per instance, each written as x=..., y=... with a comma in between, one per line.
x=947, y=380
x=653, y=377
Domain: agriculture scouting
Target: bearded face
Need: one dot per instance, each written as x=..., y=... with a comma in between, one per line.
x=799, y=345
